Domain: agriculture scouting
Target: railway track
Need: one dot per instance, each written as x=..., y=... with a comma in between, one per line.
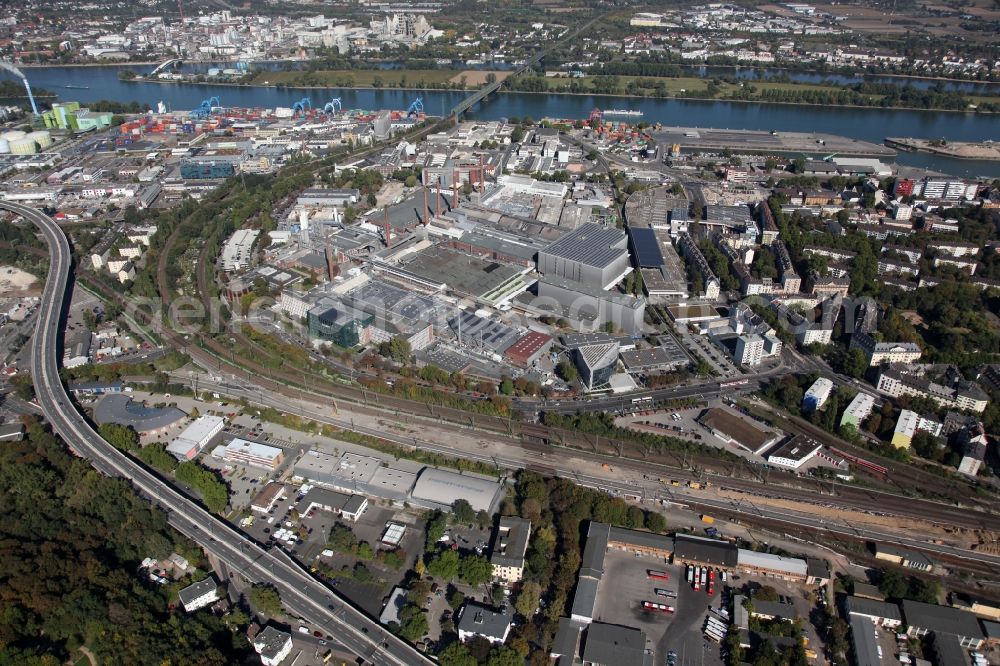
x=903, y=477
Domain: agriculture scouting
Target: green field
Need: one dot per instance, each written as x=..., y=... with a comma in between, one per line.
x=638, y=86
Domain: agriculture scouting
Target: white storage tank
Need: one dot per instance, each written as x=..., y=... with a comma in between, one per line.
x=13, y=135
x=4, y=146
x=23, y=147
x=42, y=137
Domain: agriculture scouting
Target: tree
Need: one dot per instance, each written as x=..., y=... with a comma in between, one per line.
x=463, y=511
x=507, y=386
x=437, y=523
x=412, y=623
x=455, y=598
x=504, y=656
x=655, y=522
x=634, y=518
x=444, y=565
x=475, y=570
x=265, y=599
x=342, y=538
x=527, y=599
x=411, y=181
x=398, y=349
x=567, y=371
x=456, y=654
x=122, y=437
x=24, y=389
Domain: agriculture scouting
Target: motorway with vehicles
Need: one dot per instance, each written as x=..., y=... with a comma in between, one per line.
x=302, y=594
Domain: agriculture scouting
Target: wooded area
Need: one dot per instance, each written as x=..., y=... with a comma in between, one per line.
x=71, y=541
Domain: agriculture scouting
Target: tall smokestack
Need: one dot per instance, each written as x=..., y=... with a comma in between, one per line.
x=426, y=208
x=387, y=229
x=330, y=261
x=456, y=179
x=482, y=178
x=437, y=201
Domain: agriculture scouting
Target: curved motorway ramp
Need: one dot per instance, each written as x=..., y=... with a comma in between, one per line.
x=302, y=594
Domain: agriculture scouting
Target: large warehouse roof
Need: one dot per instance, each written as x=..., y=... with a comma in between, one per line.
x=119, y=408
x=645, y=247
x=443, y=487
x=590, y=244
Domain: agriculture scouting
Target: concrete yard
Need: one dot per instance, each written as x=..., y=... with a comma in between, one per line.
x=16, y=282
x=626, y=585
x=694, y=138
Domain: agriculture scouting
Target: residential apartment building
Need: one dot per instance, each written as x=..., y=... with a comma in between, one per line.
x=878, y=353
x=894, y=382
x=510, y=543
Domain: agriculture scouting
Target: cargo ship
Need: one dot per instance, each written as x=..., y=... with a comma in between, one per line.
x=622, y=112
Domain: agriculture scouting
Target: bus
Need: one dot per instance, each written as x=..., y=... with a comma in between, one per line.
x=670, y=594
x=653, y=607
x=712, y=623
x=659, y=575
x=639, y=401
x=713, y=635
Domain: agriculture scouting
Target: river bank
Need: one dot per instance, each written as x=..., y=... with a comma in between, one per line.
x=556, y=91
x=958, y=149
x=867, y=123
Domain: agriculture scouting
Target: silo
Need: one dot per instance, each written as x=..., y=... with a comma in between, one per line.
x=23, y=147
x=4, y=146
x=13, y=135
x=42, y=138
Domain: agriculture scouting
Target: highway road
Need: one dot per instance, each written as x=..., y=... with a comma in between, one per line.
x=303, y=595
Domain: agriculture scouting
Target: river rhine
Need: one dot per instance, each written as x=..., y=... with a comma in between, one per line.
x=862, y=123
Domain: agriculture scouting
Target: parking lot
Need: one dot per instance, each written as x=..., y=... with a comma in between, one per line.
x=369, y=527
x=626, y=585
x=663, y=422
x=684, y=635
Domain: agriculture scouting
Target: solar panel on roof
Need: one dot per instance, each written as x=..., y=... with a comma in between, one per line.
x=646, y=247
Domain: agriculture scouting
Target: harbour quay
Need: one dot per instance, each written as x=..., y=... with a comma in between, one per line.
x=773, y=142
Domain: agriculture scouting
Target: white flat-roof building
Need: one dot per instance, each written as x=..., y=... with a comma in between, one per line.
x=244, y=452
x=194, y=438
x=273, y=645
x=817, y=394
x=236, y=253
x=858, y=410
x=794, y=453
